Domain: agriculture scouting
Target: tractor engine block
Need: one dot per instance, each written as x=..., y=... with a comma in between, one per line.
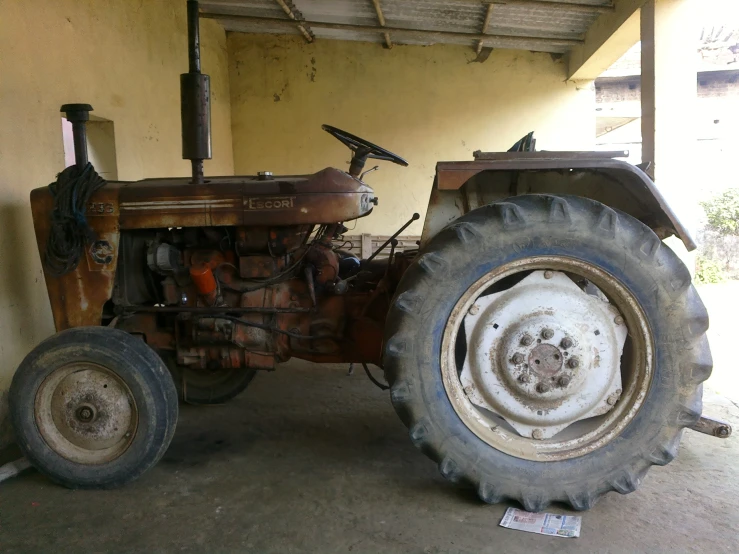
x=220, y=297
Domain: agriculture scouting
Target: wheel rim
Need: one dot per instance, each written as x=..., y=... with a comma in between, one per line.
x=513, y=381
x=86, y=413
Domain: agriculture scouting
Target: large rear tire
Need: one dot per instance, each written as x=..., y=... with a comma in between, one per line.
x=93, y=407
x=661, y=365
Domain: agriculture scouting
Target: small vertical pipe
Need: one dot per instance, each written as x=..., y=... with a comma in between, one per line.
x=193, y=35
x=79, y=135
x=193, y=55
x=78, y=115
x=197, y=172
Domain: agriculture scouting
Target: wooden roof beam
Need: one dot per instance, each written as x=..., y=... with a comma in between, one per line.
x=485, y=25
x=290, y=10
x=381, y=20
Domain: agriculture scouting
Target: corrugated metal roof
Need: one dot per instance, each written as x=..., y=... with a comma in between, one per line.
x=521, y=24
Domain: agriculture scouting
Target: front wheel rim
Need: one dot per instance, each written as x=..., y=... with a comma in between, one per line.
x=587, y=435
x=86, y=413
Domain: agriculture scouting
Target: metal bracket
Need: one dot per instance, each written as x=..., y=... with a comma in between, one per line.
x=713, y=427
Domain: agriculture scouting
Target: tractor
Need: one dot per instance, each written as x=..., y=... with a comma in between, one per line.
x=542, y=344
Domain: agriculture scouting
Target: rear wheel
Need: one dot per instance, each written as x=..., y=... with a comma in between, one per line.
x=547, y=349
x=206, y=387
x=93, y=407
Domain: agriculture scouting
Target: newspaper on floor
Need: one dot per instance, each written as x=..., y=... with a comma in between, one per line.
x=543, y=523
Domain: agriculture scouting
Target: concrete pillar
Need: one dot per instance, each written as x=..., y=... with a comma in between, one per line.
x=669, y=40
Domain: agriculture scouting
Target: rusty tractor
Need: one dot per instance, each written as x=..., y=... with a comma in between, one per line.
x=542, y=343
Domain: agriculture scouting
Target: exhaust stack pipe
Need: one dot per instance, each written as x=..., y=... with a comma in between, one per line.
x=195, y=100
x=78, y=115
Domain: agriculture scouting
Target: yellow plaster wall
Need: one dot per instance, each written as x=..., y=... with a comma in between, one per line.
x=122, y=56
x=424, y=103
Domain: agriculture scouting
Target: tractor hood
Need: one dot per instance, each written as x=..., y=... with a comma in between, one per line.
x=329, y=196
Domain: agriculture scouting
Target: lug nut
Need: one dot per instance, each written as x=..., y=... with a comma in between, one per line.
x=618, y=320
x=573, y=362
x=474, y=309
x=548, y=274
x=566, y=343
x=537, y=434
x=517, y=358
x=542, y=388
x=612, y=399
x=524, y=378
x=564, y=380
x=527, y=340
x=547, y=334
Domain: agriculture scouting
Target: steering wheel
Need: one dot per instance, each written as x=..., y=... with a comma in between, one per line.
x=362, y=149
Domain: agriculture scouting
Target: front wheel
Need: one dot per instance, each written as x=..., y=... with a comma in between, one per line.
x=93, y=407
x=547, y=348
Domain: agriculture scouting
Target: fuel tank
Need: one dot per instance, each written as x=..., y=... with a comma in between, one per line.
x=329, y=196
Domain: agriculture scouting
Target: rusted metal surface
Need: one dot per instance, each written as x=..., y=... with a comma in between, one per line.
x=614, y=182
x=713, y=427
x=77, y=298
x=257, y=327
x=323, y=198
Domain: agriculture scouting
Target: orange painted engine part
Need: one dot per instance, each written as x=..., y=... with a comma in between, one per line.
x=202, y=275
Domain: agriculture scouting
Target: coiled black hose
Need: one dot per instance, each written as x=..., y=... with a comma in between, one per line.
x=69, y=231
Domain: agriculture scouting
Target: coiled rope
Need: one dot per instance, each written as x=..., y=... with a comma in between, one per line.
x=69, y=230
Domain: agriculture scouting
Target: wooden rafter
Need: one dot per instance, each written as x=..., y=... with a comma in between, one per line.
x=294, y=14
x=381, y=20
x=485, y=25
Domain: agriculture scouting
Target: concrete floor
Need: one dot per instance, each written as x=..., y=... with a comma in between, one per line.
x=309, y=459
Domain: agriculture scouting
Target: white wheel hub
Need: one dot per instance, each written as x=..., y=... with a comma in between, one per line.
x=543, y=354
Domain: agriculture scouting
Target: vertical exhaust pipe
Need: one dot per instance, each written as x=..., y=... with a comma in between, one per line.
x=195, y=100
x=78, y=115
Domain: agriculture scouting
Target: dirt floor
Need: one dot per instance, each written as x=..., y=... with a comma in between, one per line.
x=310, y=459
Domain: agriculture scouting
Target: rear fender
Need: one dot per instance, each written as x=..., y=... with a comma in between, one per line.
x=460, y=187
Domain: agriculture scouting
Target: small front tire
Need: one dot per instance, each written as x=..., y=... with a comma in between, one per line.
x=93, y=407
